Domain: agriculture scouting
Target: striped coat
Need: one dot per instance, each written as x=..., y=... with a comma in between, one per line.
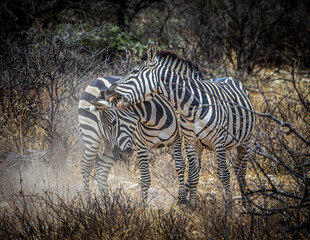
x=145, y=126
x=215, y=115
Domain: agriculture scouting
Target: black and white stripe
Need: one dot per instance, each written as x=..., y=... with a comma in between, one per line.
x=143, y=127
x=216, y=115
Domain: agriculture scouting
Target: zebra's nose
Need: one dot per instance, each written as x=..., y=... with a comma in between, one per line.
x=122, y=154
x=117, y=152
x=129, y=152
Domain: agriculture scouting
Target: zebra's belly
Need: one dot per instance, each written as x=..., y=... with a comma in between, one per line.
x=154, y=142
x=207, y=135
x=198, y=132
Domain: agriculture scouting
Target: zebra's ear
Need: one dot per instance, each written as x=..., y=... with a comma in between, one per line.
x=151, y=52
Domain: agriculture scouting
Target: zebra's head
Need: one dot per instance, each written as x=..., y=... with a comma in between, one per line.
x=118, y=127
x=139, y=85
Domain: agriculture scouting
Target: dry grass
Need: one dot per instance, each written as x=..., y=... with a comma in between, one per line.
x=42, y=200
x=53, y=208
x=42, y=204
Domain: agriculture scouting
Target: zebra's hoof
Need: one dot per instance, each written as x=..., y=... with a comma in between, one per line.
x=144, y=204
x=183, y=202
x=191, y=206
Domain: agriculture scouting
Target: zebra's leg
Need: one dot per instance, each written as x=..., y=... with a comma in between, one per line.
x=223, y=173
x=103, y=167
x=240, y=167
x=143, y=157
x=193, y=155
x=187, y=187
x=88, y=161
x=180, y=168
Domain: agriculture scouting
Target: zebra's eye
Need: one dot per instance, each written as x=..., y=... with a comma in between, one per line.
x=136, y=70
x=113, y=121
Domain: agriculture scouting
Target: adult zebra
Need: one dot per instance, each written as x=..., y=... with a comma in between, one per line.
x=144, y=126
x=216, y=115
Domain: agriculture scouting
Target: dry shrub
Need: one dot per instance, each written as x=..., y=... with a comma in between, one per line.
x=278, y=175
x=280, y=161
x=48, y=216
x=42, y=78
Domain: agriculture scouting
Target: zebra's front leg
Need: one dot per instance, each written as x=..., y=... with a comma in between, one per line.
x=193, y=155
x=143, y=157
x=103, y=167
x=180, y=168
x=223, y=172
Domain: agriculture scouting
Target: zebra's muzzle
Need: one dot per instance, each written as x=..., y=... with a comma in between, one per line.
x=111, y=99
x=110, y=94
x=122, y=154
x=123, y=103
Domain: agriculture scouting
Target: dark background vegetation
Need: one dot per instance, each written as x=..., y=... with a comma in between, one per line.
x=244, y=33
x=50, y=50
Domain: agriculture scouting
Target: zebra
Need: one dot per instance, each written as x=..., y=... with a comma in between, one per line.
x=214, y=115
x=145, y=126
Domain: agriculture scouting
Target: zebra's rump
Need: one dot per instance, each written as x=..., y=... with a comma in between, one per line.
x=94, y=89
x=223, y=109
x=240, y=111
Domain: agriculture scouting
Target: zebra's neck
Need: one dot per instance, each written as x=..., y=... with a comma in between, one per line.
x=180, y=90
x=177, y=81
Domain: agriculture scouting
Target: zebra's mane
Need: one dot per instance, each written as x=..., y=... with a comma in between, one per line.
x=191, y=68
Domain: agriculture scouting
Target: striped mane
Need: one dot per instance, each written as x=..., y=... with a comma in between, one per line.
x=183, y=66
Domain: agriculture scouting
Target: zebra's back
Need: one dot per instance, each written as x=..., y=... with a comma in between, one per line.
x=240, y=111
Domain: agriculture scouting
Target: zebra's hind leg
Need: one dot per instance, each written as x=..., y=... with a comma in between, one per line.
x=223, y=173
x=103, y=167
x=143, y=157
x=240, y=167
x=193, y=155
x=180, y=168
x=88, y=162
